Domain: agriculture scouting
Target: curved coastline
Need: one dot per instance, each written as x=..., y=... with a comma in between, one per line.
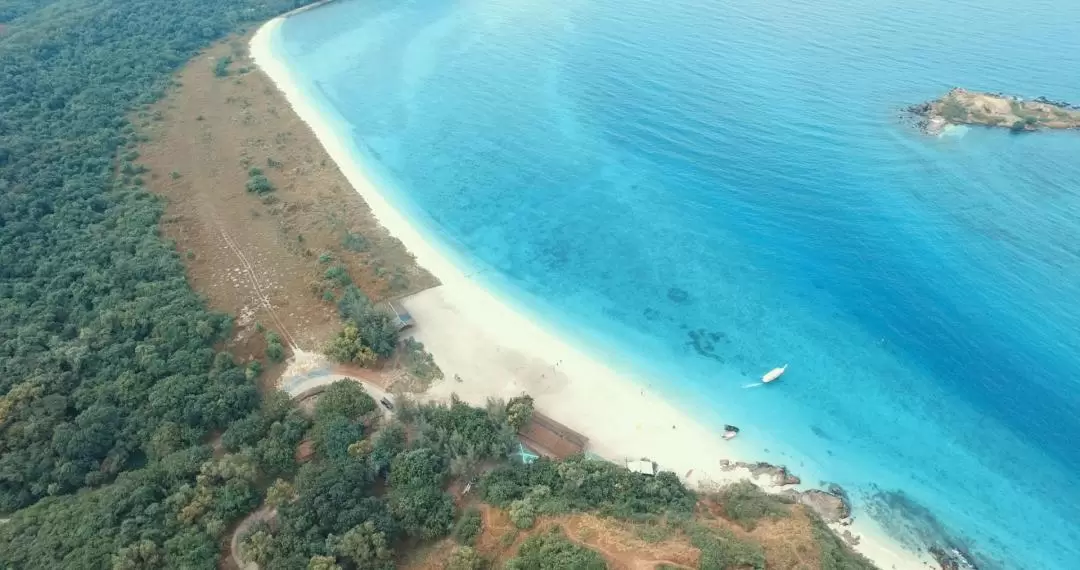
x=499, y=351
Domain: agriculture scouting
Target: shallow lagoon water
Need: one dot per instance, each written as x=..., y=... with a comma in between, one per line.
x=701, y=191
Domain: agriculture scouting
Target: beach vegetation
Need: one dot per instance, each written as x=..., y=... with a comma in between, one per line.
x=221, y=66
x=419, y=363
x=835, y=554
x=744, y=503
x=375, y=326
x=580, y=484
x=721, y=550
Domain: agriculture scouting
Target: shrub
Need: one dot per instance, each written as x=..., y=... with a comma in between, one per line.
x=953, y=111
x=585, y=485
x=259, y=184
x=419, y=363
x=720, y=550
x=465, y=558
x=338, y=274
x=221, y=66
x=835, y=555
x=468, y=527
x=745, y=504
x=552, y=551
x=354, y=242
x=275, y=351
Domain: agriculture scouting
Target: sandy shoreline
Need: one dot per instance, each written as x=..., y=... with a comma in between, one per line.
x=496, y=351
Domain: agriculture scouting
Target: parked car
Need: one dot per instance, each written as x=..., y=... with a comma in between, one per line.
x=386, y=403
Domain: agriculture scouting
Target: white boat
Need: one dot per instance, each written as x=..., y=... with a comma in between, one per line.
x=773, y=374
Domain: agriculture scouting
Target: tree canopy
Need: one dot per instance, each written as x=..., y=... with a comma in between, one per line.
x=108, y=377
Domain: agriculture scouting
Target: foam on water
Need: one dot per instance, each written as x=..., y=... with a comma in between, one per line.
x=702, y=191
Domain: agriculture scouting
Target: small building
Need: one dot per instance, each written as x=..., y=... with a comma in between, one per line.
x=550, y=438
x=402, y=318
x=643, y=466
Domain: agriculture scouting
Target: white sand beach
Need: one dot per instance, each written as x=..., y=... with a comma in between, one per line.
x=496, y=351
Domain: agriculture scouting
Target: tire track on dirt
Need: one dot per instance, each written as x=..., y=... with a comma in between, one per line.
x=256, y=284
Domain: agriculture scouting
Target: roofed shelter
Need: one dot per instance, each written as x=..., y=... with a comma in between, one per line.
x=552, y=439
x=402, y=318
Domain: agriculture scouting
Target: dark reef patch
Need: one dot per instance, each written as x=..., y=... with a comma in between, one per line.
x=704, y=343
x=679, y=296
x=915, y=526
x=821, y=433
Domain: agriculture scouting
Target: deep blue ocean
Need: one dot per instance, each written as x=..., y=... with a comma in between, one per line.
x=702, y=190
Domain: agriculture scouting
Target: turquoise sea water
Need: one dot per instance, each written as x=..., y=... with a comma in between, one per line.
x=702, y=191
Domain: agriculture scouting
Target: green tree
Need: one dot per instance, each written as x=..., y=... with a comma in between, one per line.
x=519, y=411
x=280, y=493
x=334, y=436
x=323, y=563
x=347, y=346
x=418, y=468
x=140, y=555
x=344, y=398
x=257, y=546
x=465, y=558
x=365, y=546
x=422, y=511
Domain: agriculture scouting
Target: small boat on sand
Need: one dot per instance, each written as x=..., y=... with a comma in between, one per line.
x=774, y=374
x=730, y=432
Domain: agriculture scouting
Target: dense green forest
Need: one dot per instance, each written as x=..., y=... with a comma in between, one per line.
x=108, y=378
